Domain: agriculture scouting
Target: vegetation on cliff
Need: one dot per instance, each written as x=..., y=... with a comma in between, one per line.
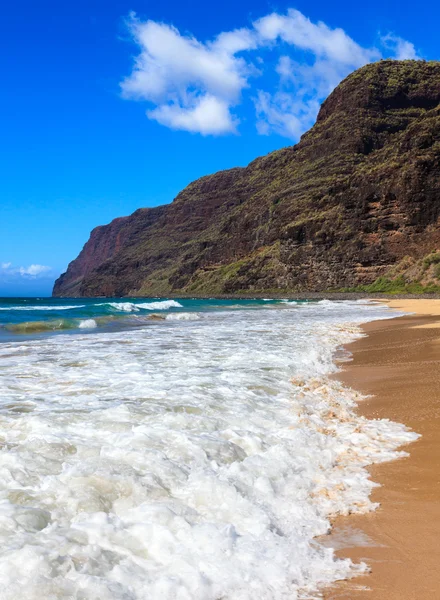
x=345, y=208
x=409, y=276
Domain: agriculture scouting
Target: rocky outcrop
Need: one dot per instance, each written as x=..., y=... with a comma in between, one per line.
x=358, y=193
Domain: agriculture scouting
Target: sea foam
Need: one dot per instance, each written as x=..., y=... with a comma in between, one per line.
x=88, y=324
x=137, y=306
x=183, y=316
x=196, y=461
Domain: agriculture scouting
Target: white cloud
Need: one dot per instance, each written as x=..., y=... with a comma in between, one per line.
x=293, y=107
x=297, y=30
x=34, y=270
x=193, y=84
x=169, y=63
x=12, y=274
x=400, y=49
x=284, y=114
x=207, y=115
x=328, y=56
x=197, y=86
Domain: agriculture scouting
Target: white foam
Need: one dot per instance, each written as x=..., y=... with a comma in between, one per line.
x=183, y=316
x=137, y=306
x=191, y=463
x=160, y=305
x=88, y=324
x=123, y=306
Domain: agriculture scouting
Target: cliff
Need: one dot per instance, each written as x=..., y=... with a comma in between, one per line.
x=358, y=196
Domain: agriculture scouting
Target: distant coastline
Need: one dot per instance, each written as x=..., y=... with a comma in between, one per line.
x=279, y=295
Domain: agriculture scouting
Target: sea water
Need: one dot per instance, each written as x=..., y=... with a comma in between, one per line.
x=179, y=449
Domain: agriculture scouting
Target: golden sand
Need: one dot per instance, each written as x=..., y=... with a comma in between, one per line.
x=398, y=363
x=420, y=306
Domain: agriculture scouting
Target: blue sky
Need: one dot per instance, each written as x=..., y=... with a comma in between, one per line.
x=108, y=106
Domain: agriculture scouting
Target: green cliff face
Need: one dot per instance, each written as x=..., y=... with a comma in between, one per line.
x=358, y=194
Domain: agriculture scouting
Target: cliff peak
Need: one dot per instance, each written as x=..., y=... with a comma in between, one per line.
x=386, y=85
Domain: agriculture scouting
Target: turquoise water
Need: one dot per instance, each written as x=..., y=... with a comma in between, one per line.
x=43, y=316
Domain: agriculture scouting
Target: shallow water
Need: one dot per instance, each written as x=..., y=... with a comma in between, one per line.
x=194, y=455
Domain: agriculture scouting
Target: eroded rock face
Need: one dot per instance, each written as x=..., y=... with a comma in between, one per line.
x=359, y=192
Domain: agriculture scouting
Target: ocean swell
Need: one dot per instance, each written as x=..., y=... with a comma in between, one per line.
x=41, y=326
x=44, y=308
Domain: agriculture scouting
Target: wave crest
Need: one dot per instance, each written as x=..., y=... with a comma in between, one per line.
x=56, y=308
x=136, y=307
x=40, y=326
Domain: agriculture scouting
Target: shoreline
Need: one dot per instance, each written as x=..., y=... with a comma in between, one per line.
x=398, y=365
x=279, y=295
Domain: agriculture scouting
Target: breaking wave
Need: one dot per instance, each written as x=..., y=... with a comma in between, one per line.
x=183, y=316
x=137, y=306
x=88, y=324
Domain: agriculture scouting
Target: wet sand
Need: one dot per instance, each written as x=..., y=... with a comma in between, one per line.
x=398, y=363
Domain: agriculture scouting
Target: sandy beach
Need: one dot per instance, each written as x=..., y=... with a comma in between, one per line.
x=398, y=364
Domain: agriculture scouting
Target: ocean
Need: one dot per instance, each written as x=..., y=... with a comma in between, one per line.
x=179, y=449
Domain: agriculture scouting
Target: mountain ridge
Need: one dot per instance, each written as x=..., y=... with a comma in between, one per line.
x=357, y=196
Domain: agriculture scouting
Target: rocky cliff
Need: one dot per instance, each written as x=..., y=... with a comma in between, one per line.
x=358, y=196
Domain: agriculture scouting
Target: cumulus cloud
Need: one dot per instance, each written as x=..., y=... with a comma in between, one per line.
x=206, y=115
x=193, y=84
x=297, y=30
x=198, y=86
x=32, y=271
x=399, y=48
x=284, y=113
